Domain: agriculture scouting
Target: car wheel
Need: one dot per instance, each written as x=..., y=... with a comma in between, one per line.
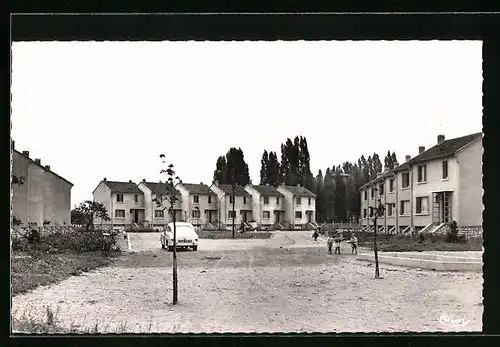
x=195, y=248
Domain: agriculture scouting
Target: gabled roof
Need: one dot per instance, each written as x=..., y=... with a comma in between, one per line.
x=300, y=191
x=32, y=162
x=267, y=190
x=447, y=148
x=123, y=187
x=159, y=188
x=198, y=189
x=238, y=190
x=379, y=178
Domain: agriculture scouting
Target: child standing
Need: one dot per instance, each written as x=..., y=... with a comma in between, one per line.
x=336, y=242
x=329, y=242
x=354, y=244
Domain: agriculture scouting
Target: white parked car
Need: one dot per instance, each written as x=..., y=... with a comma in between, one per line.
x=186, y=236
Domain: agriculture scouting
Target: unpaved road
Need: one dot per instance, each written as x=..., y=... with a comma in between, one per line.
x=284, y=284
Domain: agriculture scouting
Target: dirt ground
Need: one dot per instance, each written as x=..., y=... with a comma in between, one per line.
x=284, y=284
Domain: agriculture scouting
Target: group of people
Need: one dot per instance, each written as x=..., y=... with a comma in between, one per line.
x=334, y=242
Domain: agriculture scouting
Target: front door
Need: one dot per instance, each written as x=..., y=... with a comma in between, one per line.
x=309, y=217
x=277, y=216
x=209, y=216
x=136, y=216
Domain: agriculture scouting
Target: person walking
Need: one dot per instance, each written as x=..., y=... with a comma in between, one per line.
x=329, y=243
x=354, y=244
x=336, y=242
x=315, y=235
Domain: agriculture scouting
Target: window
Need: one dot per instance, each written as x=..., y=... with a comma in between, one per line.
x=405, y=207
x=277, y=200
x=299, y=201
x=445, y=169
x=422, y=173
x=405, y=177
x=364, y=213
x=390, y=209
x=120, y=213
x=365, y=194
x=422, y=204
x=391, y=185
x=266, y=200
x=266, y=214
x=371, y=212
x=298, y=214
x=196, y=199
x=244, y=200
x=231, y=214
x=136, y=198
x=119, y=197
x=209, y=199
x=381, y=189
x=309, y=201
x=231, y=199
x=195, y=213
x=159, y=214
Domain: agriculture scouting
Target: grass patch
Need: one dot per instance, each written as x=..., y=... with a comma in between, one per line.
x=50, y=324
x=227, y=234
x=33, y=269
x=408, y=244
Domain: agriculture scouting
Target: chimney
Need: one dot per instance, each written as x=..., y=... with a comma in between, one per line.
x=408, y=157
x=26, y=153
x=201, y=183
x=298, y=185
x=47, y=167
x=38, y=161
x=104, y=179
x=129, y=181
x=144, y=180
x=421, y=149
x=440, y=139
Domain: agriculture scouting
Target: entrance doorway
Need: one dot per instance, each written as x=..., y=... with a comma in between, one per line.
x=441, y=207
x=136, y=216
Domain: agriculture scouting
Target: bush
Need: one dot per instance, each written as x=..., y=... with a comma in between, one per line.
x=57, y=242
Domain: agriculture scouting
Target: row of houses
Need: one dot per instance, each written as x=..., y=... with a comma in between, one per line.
x=132, y=205
x=440, y=185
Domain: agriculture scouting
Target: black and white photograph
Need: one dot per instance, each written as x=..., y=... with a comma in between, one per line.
x=307, y=186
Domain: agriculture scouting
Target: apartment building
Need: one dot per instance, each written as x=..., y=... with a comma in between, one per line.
x=243, y=207
x=199, y=205
x=44, y=198
x=300, y=206
x=124, y=202
x=438, y=186
x=157, y=205
x=267, y=205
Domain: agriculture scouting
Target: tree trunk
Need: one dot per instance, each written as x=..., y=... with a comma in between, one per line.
x=375, y=249
x=174, y=261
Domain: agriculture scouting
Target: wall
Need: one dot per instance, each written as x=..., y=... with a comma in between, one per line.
x=288, y=204
x=271, y=207
x=403, y=194
x=470, y=185
x=203, y=205
x=435, y=182
x=49, y=195
x=226, y=206
x=256, y=204
x=148, y=205
x=102, y=195
x=390, y=197
x=364, y=205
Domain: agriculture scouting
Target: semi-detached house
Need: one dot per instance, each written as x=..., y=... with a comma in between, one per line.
x=300, y=207
x=427, y=192
x=267, y=206
x=199, y=205
x=243, y=208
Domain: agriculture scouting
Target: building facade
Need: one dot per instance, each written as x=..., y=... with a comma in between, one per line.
x=267, y=206
x=157, y=205
x=124, y=202
x=438, y=186
x=199, y=205
x=299, y=205
x=44, y=198
x=243, y=207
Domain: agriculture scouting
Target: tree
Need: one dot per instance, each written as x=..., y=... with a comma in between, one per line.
x=329, y=195
x=390, y=160
x=320, y=210
x=237, y=168
x=340, y=206
x=88, y=212
x=264, y=168
x=377, y=165
x=172, y=197
x=376, y=211
x=220, y=173
x=273, y=168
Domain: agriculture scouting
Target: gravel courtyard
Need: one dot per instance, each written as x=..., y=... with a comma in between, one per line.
x=283, y=284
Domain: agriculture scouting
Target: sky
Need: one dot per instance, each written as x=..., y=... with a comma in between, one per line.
x=108, y=109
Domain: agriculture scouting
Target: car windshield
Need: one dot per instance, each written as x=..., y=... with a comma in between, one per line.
x=181, y=229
